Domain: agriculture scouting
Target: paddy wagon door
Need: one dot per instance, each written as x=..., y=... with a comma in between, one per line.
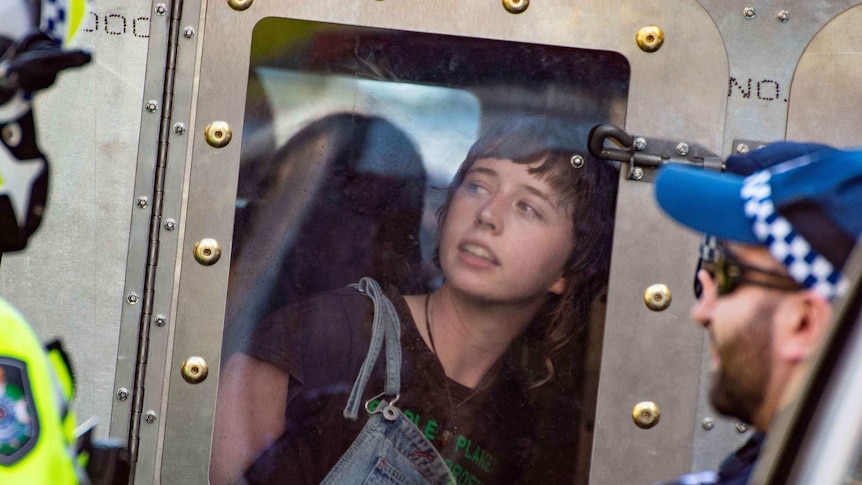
x=237, y=202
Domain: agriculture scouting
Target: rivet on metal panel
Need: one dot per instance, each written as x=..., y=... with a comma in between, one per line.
x=12, y=134
x=188, y=32
x=742, y=149
x=749, y=13
x=161, y=9
x=577, y=161
x=707, y=423
x=179, y=128
x=218, y=134
x=132, y=298
x=194, y=370
x=143, y=202
x=207, y=251
x=152, y=105
x=741, y=427
x=783, y=16
x=650, y=38
x=657, y=297
x=161, y=320
x=516, y=6
x=682, y=148
x=637, y=173
x=150, y=417
x=640, y=143
x=646, y=414
x=170, y=224
x=122, y=394
x=239, y=5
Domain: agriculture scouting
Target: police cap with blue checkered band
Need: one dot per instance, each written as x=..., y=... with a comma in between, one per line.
x=802, y=201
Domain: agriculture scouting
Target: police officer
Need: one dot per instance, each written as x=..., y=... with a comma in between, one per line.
x=785, y=220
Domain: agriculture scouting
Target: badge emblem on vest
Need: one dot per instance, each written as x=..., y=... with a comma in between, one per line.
x=19, y=425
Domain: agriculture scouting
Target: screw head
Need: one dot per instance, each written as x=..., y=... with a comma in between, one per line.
x=783, y=15
x=150, y=417
x=161, y=9
x=188, y=32
x=152, y=105
x=682, y=148
x=707, y=423
x=742, y=149
x=741, y=427
x=161, y=320
x=637, y=173
x=143, y=202
x=749, y=12
x=122, y=394
x=170, y=224
x=132, y=298
x=640, y=143
x=179, y=128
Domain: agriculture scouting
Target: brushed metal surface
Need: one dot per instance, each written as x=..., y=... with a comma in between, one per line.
x=692, y=50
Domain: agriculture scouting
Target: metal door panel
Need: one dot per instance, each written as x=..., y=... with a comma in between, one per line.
x=763, y=53
x=696, y=93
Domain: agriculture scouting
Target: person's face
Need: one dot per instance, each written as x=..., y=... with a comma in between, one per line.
x=506, y=235
x=740, y=328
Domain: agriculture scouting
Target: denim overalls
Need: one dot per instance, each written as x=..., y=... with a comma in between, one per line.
x=390, y=449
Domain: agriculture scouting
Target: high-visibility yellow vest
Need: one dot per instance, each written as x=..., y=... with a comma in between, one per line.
x=37, y=443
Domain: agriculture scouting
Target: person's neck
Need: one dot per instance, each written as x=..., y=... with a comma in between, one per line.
x=470, y=336
x=782, y=396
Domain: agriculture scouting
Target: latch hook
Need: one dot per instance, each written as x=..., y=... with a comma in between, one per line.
x=600, y=133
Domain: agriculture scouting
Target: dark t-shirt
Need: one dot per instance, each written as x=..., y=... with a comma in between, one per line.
x=321, y=344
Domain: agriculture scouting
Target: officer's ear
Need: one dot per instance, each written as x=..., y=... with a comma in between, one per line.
x=807, y=321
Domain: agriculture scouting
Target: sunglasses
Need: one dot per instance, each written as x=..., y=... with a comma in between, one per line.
x=728, y=273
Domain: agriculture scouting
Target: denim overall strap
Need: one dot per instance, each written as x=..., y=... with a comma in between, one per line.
x=385, y=327
x=390, y=449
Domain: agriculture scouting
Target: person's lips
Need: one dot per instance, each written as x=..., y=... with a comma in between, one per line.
x=475, y=249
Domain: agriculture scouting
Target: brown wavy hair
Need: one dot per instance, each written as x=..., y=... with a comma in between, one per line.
x=589, y=194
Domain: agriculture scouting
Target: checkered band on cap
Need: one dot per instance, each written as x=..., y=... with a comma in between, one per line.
x=786, y=245
x=54, y=18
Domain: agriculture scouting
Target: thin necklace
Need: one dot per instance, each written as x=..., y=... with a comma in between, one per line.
x=453, y=409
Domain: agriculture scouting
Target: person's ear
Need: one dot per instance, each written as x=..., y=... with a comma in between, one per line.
x=806, y=328
x=558, y=287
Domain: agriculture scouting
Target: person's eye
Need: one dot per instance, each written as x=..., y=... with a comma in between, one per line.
x=530, y=210
x=475, y=188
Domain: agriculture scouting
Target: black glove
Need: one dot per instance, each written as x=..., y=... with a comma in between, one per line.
x=34, y=61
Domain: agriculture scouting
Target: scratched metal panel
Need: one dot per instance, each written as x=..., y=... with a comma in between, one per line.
x=69, y=282
x=633, y=369
x=763, y=53
x=825, y=100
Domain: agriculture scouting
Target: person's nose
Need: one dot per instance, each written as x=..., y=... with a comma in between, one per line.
x=490, y=215
x=702, y=310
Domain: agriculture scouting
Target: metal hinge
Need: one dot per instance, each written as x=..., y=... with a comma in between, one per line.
x=175, y=9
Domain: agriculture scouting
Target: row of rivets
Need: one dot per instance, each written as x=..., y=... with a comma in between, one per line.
x=749, y=13
x=708, y=424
